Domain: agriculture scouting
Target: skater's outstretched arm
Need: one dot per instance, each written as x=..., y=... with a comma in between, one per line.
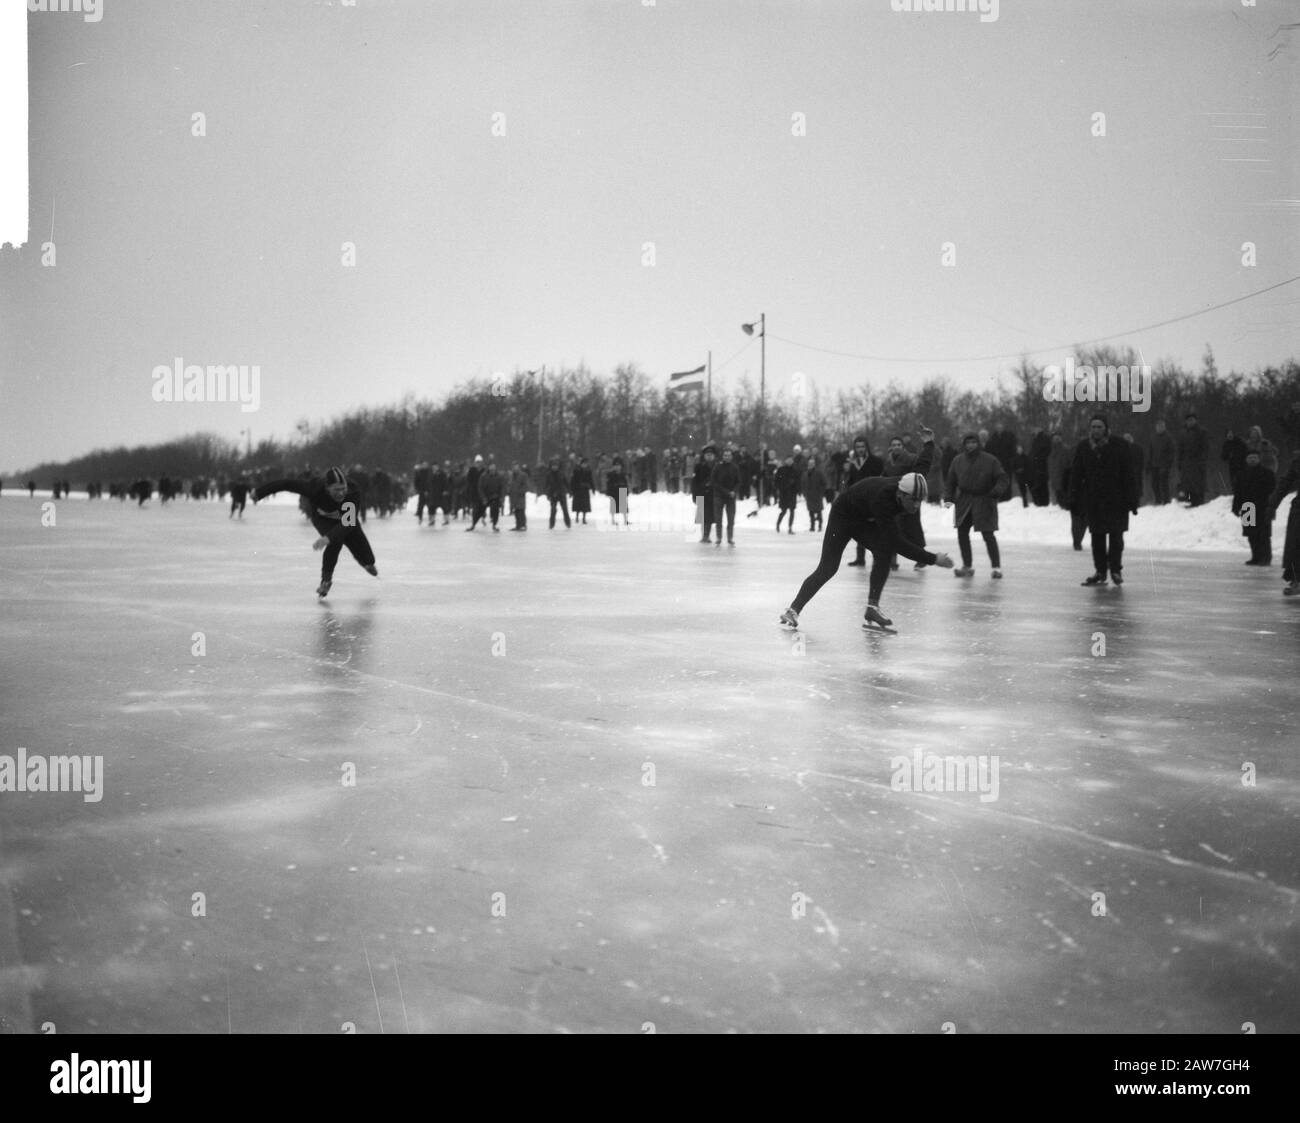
x=298, y=487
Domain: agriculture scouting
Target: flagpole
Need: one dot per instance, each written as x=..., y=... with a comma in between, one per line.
x=708, y=403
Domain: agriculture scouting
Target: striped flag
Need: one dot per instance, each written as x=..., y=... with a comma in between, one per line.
x=687, y=379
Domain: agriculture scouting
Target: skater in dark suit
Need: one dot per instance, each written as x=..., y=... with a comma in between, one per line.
x=238, y=497
x=335, y=506
x=1250, y=503
x=868, y=512
x=1103, y=490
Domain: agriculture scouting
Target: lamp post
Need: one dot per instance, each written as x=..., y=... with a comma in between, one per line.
x=748, y=329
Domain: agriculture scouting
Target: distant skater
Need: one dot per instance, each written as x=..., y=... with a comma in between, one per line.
x=868, y=513
x=238, y=497
x=335, y=513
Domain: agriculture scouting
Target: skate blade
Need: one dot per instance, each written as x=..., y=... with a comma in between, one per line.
x=866, y=627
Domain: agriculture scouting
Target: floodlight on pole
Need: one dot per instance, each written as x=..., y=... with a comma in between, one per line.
x=748, y=329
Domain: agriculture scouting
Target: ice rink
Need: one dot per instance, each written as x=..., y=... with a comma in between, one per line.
x=598, y=789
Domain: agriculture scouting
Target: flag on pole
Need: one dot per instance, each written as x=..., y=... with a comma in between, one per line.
x=687, y=379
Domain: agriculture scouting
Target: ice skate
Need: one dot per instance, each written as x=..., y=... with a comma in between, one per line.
x=1095, y=579
x=963, y=571
x=875, y=620
x=370, y=569
x=997, y=574
x=790, y=618
x=1292, y=590
x=1116, y=577
x=323, y=589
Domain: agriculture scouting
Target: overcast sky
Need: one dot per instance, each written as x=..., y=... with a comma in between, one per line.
x=627, y=124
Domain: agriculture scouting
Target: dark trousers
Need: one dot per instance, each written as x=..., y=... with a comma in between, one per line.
x=1160, y=485
x=815, y=520
x=963, y=543
x=494, y=510
x=839, y=530
x=562, y=502
x=1291, y=544
x=1078, y=528
x=237, y=505
x=782, y=513
x=355, y=540
x=521, y=516
x=726, y=507
x=1108, y=551
x=1260, y=537
x=704, y=507
x=422, y=502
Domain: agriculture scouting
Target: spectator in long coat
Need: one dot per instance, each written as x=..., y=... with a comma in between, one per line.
x=1193, y=459
x=1103, y=490
x=1040, y=448
x=582, y=485
x=862, y=465
x=555, y=491
x=1020, y=470
x=1291, y=549
x=815, y=487
x=1250, y=503
x=1058, y=464
x=1160, y=461
x=975, y=482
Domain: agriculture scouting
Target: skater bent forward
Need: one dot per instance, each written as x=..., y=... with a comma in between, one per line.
x=334, y=509
x=868, y=512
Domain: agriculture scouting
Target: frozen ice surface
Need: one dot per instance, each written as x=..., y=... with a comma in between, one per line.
x=689, y=814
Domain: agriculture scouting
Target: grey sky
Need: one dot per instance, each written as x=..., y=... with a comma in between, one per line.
x=628, y=124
